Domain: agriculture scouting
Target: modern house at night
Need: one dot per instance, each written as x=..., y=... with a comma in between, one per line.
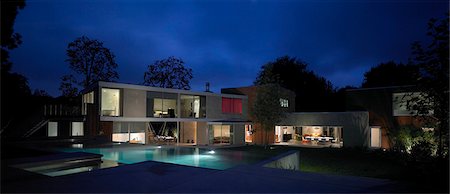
x=120, y=112
x=146, y=115
x=387, y=109
x=315, y=129
x=369, y=115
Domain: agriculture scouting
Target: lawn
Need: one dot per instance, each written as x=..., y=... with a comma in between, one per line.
x=339, y=161
x=366, y=163
x=351, y=162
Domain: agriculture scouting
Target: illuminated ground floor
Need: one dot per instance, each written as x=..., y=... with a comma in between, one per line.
x=319, y=129
x=179, y=132
x=327, y=136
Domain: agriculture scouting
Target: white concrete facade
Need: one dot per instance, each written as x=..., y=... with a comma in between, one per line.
x=192, y=130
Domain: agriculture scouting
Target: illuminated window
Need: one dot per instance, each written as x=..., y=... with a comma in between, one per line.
x=221, y=134
x=77, y=129
x=110, y=102
x=162, y=104
x=284, y=102
x=52, y=129
x=193, y=106
x=232, y=105
x=88, y=98
x=375, y=137
x=164, y=107
x=248, y=133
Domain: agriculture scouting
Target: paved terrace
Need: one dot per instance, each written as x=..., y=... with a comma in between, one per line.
x=156, y=177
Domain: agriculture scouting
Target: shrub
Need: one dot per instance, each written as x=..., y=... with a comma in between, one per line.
x=416, y=142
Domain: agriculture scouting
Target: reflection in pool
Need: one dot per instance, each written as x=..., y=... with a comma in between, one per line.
x=206, y=158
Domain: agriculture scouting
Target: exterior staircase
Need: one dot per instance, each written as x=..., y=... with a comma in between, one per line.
x=35, y=128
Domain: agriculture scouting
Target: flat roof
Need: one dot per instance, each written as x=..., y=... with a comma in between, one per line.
x=380, y=88
x=342, y=112
x=168, y=90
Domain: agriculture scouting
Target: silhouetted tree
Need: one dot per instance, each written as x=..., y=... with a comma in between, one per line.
x=313, y=93
x=391, y=74
x=267, y=109
x=14, y=86
x=90, y=62
x=68, y=86
x=433, y=82
x=9, y=38
x=42, y=93
x=168, y=73
x=14, y=92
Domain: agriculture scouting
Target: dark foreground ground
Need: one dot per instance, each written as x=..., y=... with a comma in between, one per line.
x=430, y=176
x=322, y=170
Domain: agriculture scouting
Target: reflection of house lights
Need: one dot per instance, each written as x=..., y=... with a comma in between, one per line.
x=211, y=152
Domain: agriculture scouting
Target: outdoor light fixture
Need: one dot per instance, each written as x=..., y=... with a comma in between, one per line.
x=77, y=145
x=211, y=152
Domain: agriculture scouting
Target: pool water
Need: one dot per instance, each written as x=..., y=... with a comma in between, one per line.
x=218, y=159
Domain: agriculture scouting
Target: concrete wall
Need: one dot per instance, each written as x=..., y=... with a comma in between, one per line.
x=355, y=124
x=214, y=109
x=188, y=132
x=239, y=134
x=202, y=133
x=134, y=103
x=287, y=161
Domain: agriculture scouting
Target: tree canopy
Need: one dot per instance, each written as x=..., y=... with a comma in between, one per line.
x=313, y=92
x=433, y=80
x=9, y=39
x=90, y=62
x=391, y=74
x=168, y=73
x=267, y=110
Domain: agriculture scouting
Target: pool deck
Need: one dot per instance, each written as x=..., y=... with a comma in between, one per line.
x=157, y=177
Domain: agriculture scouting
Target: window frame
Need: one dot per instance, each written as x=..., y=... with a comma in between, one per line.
x=119, y=103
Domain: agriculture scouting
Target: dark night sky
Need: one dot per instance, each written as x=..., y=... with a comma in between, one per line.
x=224, y=42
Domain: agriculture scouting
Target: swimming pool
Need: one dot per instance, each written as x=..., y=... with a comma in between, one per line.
x=206, y=158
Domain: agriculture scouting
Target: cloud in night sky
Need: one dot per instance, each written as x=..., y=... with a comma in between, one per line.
x=224, y=42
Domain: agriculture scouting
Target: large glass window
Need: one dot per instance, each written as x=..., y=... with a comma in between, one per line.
x=77, y=129
x=284, y=133
x=120, y=132
x=331, y=136
x=132, y=132
x=88, y=98
x=162, y=132
x=110, y=102
x=137, y=132
x=221, y=134
x=193, y=106
x=232, y=105
x=161, y=104
x=52, y=129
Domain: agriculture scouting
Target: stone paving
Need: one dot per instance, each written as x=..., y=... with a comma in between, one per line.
x=156, y=177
